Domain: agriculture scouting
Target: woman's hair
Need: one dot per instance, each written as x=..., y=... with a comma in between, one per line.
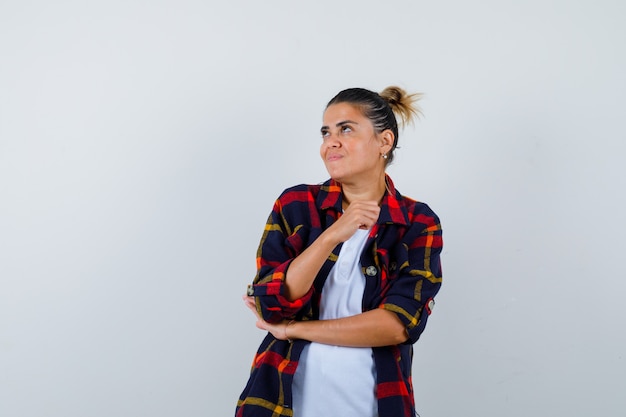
x=382, y=108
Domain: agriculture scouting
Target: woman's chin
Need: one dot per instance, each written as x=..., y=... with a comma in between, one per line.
x=336, y=176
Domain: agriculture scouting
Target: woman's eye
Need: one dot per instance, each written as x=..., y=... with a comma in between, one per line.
x=346, y=129
x=325, y=133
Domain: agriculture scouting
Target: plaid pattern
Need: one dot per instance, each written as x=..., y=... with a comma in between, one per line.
x=403, y=273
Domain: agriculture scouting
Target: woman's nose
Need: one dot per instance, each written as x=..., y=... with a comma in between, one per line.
x=332, y=141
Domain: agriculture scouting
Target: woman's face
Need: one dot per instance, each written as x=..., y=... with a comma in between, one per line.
x=351, y=149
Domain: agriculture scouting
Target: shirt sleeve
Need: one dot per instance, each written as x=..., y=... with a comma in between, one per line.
x=279, y=245
x=411, y=294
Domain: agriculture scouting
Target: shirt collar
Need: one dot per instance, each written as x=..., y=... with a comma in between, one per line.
x=330, y=196
x=392, y=209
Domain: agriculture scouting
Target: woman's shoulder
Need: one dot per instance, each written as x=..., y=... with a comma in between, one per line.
x=305, y=192
x=297, y=198
x=418, y=211
x=300, y=191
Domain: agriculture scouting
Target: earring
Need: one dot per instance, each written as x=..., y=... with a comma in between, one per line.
x=384, y=156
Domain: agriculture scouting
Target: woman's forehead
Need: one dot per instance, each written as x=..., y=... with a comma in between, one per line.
x=338, y=112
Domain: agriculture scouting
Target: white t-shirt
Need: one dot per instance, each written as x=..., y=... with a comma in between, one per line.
x=334, y=380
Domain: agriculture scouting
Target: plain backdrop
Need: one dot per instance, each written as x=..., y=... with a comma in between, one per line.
x=142, y=145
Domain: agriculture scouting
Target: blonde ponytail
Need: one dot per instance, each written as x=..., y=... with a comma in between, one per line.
x=404, y=105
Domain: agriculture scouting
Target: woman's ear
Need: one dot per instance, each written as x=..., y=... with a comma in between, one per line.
x=387, y=138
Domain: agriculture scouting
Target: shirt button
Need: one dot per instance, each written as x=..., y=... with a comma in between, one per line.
x=250, y=290
x=371, y=270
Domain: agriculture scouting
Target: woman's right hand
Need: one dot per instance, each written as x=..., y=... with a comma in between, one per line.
x=358, y=215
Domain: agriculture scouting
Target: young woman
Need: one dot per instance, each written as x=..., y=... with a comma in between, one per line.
x=347, y=272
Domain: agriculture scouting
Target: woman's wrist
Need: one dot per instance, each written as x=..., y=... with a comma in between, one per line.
x=328, y=239
x=289, y=337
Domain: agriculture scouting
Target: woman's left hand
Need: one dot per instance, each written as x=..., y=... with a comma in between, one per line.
x=278, y=330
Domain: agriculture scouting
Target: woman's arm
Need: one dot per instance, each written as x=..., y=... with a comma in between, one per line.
x=369, y=329
x=304, y=268
x=286, y=270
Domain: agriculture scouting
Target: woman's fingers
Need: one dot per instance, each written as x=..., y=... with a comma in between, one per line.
x=358, y=215
x=249, y=302
x=278, y=329
x=365, y=213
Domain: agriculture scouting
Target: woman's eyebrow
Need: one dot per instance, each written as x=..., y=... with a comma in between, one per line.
x=342, y=123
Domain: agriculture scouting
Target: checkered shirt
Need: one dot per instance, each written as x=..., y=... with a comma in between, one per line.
x=403, y=273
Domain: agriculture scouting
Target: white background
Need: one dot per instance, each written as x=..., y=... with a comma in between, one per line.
x=142, y=145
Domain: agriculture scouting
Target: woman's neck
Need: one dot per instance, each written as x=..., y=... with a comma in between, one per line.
x=369, y=191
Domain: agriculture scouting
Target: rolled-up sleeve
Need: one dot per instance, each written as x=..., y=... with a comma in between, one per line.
x=279, y=245
x=411, y=294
